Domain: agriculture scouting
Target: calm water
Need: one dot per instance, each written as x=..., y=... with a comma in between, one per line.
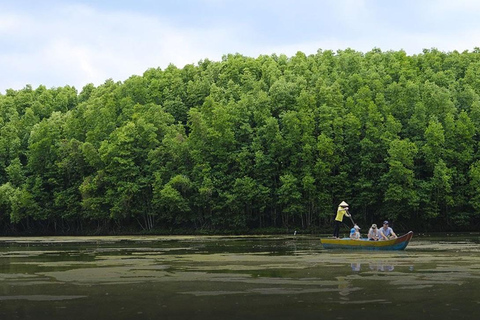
x=282, y=277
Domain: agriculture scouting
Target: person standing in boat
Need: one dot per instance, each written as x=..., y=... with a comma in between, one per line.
x=386, y=232
x=341, y=211
x=373, y=233
x=355, y=232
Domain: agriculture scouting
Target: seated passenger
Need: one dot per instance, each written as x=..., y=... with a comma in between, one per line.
x=355, y=232
x=373, y=233
x=386, y=232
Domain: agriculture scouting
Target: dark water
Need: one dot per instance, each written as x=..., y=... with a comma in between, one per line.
x=281, y=277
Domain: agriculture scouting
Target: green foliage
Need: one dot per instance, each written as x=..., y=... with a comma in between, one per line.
x=400, y=193
x=246, y=143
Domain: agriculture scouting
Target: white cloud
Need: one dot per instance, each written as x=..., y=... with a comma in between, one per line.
x=447, y=6
x=350, y=11
x=8, y=22
x=79, y=45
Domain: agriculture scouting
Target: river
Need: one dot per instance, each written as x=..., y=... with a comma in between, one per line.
x=234, y=277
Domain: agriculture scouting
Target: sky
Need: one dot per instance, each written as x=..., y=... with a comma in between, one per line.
x=72, y=42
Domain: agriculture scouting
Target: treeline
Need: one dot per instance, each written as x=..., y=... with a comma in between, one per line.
x=249, y=143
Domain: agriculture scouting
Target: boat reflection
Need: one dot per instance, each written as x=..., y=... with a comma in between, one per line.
x=376, y=266
x=356, y=266
x=380, y=267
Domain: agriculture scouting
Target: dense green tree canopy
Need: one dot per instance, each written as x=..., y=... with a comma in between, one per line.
x=249, y=143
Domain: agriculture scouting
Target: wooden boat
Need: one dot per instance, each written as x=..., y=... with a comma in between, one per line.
x=399, y=243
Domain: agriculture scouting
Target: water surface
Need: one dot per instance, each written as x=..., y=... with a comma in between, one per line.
x=263, y=277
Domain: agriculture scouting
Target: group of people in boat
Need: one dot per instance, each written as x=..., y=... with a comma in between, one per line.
x=374, y=233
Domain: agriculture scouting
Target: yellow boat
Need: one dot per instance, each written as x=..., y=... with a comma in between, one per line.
x=399, y=243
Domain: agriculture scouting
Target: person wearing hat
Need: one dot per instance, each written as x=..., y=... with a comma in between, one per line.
x=355, y=232
x=341, y=211
x=373, y=233
x=386, y=232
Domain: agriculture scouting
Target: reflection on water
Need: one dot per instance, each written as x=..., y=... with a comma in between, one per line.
x=234, y=278
x=377, y=266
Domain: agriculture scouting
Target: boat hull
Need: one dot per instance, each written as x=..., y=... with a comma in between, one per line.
x=399, y=243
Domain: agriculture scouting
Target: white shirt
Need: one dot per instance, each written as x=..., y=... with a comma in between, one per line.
x=373, y=233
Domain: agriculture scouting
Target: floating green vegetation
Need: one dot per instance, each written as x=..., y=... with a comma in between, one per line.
x=217, y=271
x=40, y=298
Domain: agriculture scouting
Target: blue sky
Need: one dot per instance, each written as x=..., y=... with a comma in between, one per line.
x=72, y=42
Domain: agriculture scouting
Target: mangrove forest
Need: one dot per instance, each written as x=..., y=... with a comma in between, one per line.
x=249, y=144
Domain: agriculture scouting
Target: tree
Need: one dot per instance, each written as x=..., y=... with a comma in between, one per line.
x=400, y=193
x=289, y=196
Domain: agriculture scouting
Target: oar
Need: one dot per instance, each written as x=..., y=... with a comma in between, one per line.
x=351, y=218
